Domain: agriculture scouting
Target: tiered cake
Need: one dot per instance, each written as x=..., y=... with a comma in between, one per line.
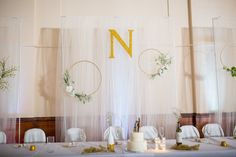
x=136, y=142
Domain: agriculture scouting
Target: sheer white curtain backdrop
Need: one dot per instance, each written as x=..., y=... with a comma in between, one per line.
x=10, y=50
x=125, y=92
x=224, y=29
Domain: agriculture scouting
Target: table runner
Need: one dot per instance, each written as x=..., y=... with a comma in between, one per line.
x=208, y=148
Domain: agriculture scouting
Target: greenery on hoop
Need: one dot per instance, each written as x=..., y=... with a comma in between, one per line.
x=232, y=70
x=5, y=73
x=163, y=61
x=72, y=92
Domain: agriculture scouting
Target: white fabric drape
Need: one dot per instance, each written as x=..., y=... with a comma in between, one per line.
x=9, y=49
x=204, y=71
x=125, y=91
x=225, y=40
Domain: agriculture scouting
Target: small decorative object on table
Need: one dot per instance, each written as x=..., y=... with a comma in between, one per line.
x=163, y=143
x=94, y=149
x=110, y=142
x=32, y=148
x=136, y=143
x=6, y=73
x=178, y=134
x=137, y=125
x=198, y=140
x=157, y=143
x=161, y=132
x=224, y=144
x=19, y=145
x=186, y=147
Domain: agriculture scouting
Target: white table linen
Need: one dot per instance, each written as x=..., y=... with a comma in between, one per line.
x=211, y=149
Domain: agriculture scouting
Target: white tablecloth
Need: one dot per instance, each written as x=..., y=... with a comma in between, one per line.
x=210, y=148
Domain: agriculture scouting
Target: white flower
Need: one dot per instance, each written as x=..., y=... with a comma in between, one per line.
x=69, y=89
x=73, y=93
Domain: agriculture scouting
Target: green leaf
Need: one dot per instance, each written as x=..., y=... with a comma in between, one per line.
x=5, y=74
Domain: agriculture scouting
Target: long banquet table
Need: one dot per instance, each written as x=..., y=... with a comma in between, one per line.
x=208, y=148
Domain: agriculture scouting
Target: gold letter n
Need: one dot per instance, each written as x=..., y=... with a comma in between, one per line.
x=128, y=49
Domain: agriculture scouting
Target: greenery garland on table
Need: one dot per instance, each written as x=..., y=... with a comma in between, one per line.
x=186, y=147
x=72, y=92
x=5, y=74
x=94, y=150
x=162, y=62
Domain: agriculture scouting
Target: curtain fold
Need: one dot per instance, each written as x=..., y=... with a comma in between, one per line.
x=10, y=50
x=126, y=92
x=225, y=50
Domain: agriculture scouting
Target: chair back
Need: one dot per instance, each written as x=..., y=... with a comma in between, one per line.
x=149, y=132
x=212, y=130
x=35, y=135
x=76, y=135
x=234, y=132
x=189, y=131
x=116, y=131
x=3, y=138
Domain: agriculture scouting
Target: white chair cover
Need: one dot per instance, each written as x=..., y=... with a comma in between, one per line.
x=3, y=138
x=149, y=132
x=34, y=136
x=234, y=132
x=117, y=133
x=212, y=130
x=75, y=135
x=189, y=131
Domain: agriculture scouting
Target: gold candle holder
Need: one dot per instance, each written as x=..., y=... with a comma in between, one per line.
x=224, y=144
x=111, y=147
x=32, y=148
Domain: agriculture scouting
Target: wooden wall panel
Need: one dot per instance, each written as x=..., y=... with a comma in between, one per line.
x=48, y=124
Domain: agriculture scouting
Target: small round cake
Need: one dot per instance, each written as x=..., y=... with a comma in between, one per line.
x=136, y=142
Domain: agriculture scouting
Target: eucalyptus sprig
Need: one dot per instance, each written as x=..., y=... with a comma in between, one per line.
x=177, y=114
x=163, y=61
x=71, y=91
x=232, y=70
x=109, y=119
x=6, y=73
x=186, y=147
x=94, y=149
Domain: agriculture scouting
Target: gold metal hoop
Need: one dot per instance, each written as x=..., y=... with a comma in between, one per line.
x=142, y=53
x=221, y=53
x=96, y=66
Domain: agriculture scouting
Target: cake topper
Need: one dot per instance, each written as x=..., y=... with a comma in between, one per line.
x=137, y=125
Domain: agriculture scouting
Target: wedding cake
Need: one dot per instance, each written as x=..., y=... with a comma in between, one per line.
x=136, y=142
